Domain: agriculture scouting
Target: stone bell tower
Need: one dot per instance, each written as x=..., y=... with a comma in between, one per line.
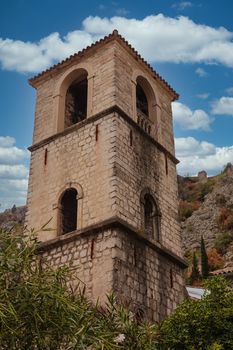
x=103, y=173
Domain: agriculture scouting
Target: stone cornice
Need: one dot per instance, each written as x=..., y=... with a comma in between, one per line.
x=106, y=112
x=112, y=223
x=89, y=49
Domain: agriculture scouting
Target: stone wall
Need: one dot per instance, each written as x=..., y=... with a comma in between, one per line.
x=112, y=173
x=74, y=158
x=144, y=279
x=105, y=259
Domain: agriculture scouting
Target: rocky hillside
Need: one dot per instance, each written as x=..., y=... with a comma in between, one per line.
x=206, y=209
x=13, y=217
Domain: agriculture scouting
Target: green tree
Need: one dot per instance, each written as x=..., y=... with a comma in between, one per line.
x=195, y=274
x=39, y=310
x=203, y=324
x=204, y=260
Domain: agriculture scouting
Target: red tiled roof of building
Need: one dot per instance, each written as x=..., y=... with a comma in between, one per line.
x=113, y=35
x=225, y=271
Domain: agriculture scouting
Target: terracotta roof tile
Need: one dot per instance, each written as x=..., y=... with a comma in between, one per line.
x=224, y=271
x=79, y=54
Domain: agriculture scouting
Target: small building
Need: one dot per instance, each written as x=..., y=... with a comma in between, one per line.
x=227, y=272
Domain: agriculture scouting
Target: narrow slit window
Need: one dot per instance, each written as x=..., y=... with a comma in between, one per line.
x=151, y=218
x=141, y=99
x=69, y=206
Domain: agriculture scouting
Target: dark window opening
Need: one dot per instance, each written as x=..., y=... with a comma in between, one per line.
x=131, y=137
x=69, y=211
x=45, y=156
x=148, y=215
x=151, y=218
x=166, y=164
x=141, y=100
x=76, y=103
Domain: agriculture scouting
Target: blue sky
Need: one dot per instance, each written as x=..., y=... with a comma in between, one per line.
x=189, y=43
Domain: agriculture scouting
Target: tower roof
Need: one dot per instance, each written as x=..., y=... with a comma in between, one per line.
x=80, y=54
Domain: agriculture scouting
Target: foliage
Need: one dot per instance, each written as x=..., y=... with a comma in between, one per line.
x=223, y=241
x=195, y=274
x=225, y=219
x=220, y=199
x=201, y=189
x=215, y=260
x=40, y=310
x=186, y=209
x=204, y=260
x=204, y=189
x=203, y=324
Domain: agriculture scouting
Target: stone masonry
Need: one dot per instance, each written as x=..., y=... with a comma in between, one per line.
x=110, y=158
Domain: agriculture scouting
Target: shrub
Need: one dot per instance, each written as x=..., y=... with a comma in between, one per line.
x=204, y=260
x=40, y=310
x=186, y=209
x=203, y=324
x=199, y=192
x=220, y=199
x=223, y=241
x=216, y=261
x=225, y=219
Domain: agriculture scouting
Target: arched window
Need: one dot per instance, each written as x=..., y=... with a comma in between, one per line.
x=76, y=101
x=145, y=111
x=68, y=211
x=151, y=217
x=141, y=100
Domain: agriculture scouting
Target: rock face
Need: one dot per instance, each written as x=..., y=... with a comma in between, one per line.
x=12, y=217
x=206, y=221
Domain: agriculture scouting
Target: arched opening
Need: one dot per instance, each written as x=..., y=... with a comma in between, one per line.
x=145, y=105
x=76, y=101
x=69, y=206
x=151, y=217
x=141, y=100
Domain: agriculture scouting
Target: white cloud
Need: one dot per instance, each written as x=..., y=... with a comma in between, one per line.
x=223, y=106
x=122, y=11
x=157, y=37
x=6, y=141
x=13, y=173
x=33, y=57
x=182, y=5
x=230, y=90
x=188, y=119
x=12, y=155
x=201, y=72
x=197, y=155
x=186, y=146
x=203, y=96
x=12, y=192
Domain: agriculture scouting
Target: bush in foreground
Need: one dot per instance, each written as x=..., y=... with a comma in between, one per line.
x=40, y=311
x=204, y=324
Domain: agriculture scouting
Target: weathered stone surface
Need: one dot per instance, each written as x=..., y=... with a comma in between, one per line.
x=110, y=160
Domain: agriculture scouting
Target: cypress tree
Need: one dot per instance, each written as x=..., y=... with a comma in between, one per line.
x=204, y=260
x=195, y=274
